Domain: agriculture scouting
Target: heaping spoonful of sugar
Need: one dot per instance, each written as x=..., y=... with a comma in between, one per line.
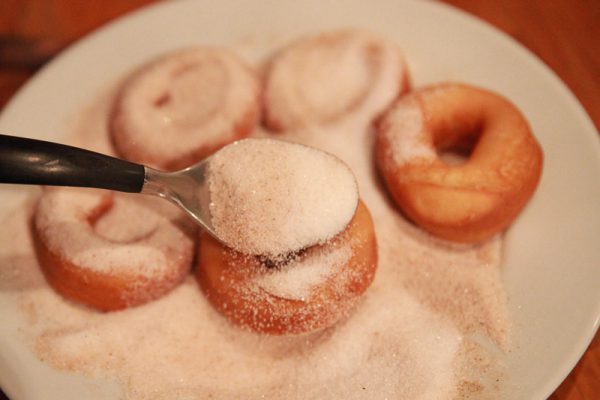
x=258, y=196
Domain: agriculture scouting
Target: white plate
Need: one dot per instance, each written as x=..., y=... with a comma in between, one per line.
x=551, y=260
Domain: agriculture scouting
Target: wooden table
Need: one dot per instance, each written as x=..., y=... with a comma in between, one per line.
x=565, y=34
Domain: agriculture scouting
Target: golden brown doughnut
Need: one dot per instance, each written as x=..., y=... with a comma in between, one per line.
x=322, y=79
x=108, y=251
x=178, y=109
x=313, y=290
x=472, y=201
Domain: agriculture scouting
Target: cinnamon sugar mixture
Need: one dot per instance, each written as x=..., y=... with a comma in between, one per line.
x=271, y=197
x=427, y=328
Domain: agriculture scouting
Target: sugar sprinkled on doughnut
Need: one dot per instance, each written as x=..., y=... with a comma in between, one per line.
x=61, y=218
x=108, y=251
x=271, y=197
x=179, y=108
x=465, y=202
x=295, y=280
x=324, y=78
x=407, y=144
x=303, y=292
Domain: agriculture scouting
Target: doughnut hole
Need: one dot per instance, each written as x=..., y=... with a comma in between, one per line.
x=458, y=151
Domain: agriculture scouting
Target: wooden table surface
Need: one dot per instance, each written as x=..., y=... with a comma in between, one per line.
x=565, y=34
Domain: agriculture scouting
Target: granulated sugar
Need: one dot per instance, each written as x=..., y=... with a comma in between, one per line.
x=295, y=280
x=271, y=197
x=62, y=219
x=414, y=335
x=406, y=138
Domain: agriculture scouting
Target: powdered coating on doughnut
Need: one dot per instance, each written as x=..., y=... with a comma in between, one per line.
x=92, y=242
x=320, y=79
x=176, y=110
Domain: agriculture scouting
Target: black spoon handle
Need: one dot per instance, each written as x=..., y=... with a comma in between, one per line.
x=36, y=162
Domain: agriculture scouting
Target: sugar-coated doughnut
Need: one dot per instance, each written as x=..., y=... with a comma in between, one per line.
x=176, y=110
x=471, y=201
x=321, y=79
x=313, y=290
x=108, y=251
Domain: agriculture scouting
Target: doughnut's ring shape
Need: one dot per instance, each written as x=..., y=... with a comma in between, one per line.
x=107, y=251
x=472, y=201
x=313, y=291
x=322, y=79
x=183, y=106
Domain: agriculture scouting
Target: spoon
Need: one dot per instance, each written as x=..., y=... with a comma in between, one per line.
x=37, y=162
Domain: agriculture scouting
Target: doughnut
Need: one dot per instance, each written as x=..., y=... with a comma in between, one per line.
x=108, y=251
x=321, y=79
x=178, y=109
x=469, y=201
x=311, y=290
